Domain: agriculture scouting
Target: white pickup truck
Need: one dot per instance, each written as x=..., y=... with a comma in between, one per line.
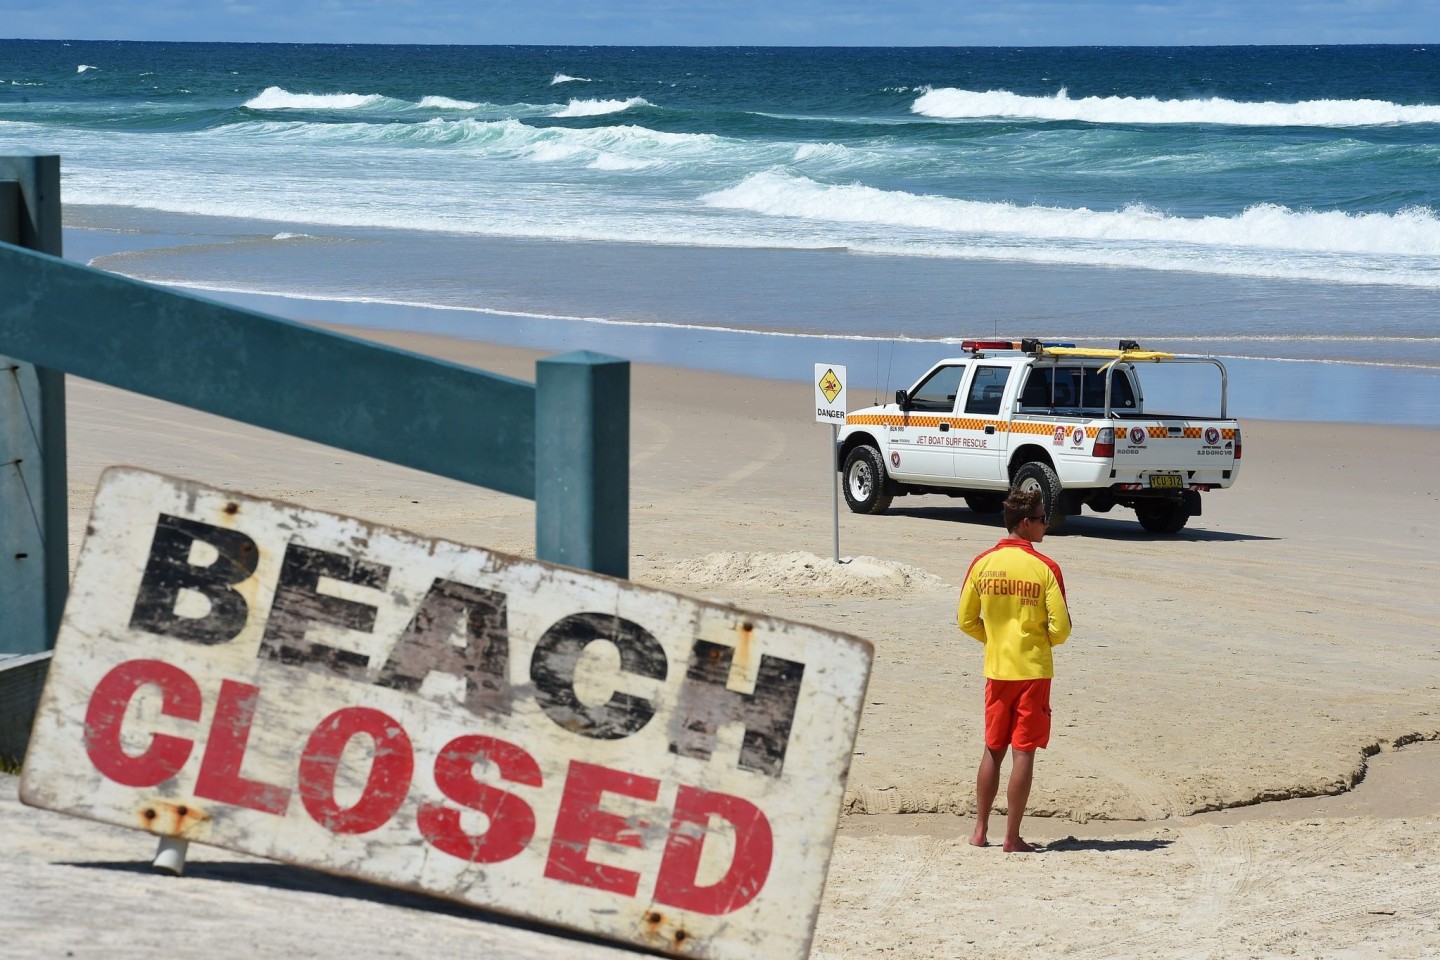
x=1070, y=422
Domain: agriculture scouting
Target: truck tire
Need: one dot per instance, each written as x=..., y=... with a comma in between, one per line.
x=985, y=502
x=1039, y=476
x=866, y=485
x=1162, y=516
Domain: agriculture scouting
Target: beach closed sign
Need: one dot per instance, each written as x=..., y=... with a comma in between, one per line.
x=537, y=740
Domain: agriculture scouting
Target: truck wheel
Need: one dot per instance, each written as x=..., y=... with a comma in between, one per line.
x=1039, y=476
x=865, y=481
x=985, y=502
x=1162, y=516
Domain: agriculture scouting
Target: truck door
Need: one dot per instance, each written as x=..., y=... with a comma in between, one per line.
x=978, y=437
x=918, y=447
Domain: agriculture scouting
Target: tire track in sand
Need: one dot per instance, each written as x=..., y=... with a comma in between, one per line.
x=773, y=444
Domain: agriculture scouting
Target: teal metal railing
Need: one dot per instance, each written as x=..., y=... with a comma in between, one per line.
x=562, y=441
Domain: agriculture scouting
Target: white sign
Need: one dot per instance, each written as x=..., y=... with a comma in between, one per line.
x=541, y=741
x=830, y=399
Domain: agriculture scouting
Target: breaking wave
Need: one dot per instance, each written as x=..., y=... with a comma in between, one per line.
x=445, y=103
x=597, y=108
x=949, y=103
x=278, y=98
x=1411, y=232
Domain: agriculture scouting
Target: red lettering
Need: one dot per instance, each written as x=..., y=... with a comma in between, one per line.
x=391, y=769
x=581, y=820
x=106, y=714
x=700, y=817
x=220, y=777
x=512, y=822
x=1008, y=588
x=749, y=868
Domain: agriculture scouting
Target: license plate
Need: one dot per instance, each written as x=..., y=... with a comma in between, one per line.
x=1172, y=480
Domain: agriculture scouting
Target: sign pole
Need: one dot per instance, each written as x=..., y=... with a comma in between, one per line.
x=830, y=402
x=835, y=486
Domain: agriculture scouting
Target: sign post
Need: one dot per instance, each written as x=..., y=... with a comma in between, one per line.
x=542, y=741
x=830, y=404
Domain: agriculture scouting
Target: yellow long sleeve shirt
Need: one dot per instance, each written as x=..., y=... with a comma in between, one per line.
x=1013, y=601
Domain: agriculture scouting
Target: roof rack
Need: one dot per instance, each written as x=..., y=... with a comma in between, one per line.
x=1126, y=350
x=1027, y=345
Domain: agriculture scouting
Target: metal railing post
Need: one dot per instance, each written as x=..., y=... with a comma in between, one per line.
x=34, y=523
x=582, y=462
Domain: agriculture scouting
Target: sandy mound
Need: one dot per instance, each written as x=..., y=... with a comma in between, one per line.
x=799, y=574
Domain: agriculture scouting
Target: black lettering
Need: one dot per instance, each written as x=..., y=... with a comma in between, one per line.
x=706, y=703
x=168, y=571
x=426, y=645
x=553, y=671
x=299, y=603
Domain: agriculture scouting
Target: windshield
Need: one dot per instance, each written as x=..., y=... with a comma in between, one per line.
x=937, y=392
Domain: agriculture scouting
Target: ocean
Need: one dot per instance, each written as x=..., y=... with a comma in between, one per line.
x=756, y=210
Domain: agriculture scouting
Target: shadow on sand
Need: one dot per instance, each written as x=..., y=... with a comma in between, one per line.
x=1074, y=844
x=281, y=876
x=1122, y=527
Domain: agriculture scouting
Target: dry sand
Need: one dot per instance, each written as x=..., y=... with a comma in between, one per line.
x=1279, y=648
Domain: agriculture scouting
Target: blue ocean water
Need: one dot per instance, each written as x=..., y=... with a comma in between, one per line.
x=1263, y=203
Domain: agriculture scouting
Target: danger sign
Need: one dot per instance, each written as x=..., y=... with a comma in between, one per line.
x=829, y=387
x=538, y=740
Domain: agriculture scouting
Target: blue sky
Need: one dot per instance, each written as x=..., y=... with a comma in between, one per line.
x=724, y=22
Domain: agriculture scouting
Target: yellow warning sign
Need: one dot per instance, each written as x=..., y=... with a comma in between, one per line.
x=829, y=387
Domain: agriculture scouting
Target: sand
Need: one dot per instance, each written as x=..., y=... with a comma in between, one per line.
x=1281, y=647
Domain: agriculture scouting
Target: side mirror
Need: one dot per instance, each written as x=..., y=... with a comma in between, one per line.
x=901, y=399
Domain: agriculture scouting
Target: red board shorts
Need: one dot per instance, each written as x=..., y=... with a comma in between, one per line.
x=1017, y=714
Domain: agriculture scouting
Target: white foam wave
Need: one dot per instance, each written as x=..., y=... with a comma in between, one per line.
x=1414, y=232
x=763, y=210
x=610, y=161
x=823, y=152
x=954, y=104
x=278, y=98
x=445, y=103
x=620, y=147
x=566, y=78
x=84, y=67
x=596, y=108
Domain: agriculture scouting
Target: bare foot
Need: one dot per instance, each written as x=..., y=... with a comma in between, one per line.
x=1018, y=846
x=978, y=838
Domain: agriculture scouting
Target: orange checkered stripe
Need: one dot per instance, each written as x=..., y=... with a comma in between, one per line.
x=1048, y=429
x=1020, y=426
x=962, y=423
x=1189, y=433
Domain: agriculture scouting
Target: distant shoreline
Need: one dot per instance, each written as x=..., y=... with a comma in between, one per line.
x=557, y=316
